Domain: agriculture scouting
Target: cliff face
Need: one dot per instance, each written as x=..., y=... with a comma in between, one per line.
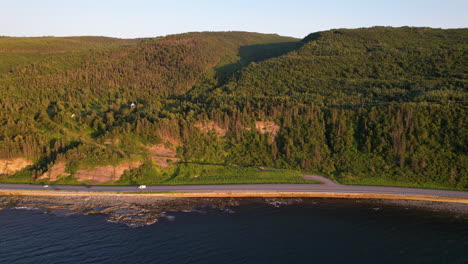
x=11, y=166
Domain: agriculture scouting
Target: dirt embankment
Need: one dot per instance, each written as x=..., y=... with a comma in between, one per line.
x=11, y=166
x=105, y=174
x=163, y=155
x=55, y=172
x=264, y=127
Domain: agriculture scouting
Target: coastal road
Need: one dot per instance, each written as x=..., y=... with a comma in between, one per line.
x=328, y=186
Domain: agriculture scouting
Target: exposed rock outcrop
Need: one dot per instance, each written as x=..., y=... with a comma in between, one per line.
x=55, y=171
x=11, y=166
x=163, y=155
x=208, y=126
x=105, y=174
x=267, y=127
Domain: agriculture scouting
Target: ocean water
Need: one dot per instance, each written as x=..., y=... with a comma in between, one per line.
x=308, y=232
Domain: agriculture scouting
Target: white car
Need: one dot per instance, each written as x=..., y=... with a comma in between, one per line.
x=45, y=186
x=142, y=187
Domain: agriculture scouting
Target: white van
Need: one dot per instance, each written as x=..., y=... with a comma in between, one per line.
x=142, y=187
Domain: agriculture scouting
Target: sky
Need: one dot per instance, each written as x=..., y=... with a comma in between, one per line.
x=151, y=18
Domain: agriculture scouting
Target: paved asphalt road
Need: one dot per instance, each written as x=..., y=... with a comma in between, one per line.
x=327, y=187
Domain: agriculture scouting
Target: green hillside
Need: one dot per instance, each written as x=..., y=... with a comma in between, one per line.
x=362, y=66
x=364, y=106
x=20, y=51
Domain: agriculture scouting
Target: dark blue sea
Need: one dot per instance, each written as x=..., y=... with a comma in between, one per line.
x=334, y=232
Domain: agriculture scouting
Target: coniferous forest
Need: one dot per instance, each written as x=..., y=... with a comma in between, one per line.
x=379, y=106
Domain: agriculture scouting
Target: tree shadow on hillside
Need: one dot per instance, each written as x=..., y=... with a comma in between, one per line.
x=255, y=53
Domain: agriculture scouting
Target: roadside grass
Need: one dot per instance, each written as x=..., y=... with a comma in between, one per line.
x=19, y=177
x=182, y=174
x=70, y=180
x=381, y=181
x=204, y=174
x=147, y=192
x=194, y=174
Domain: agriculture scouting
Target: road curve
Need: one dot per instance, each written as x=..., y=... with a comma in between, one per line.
x=327, y=187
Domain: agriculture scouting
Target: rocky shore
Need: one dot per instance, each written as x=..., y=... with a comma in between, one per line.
x=133, y=211
x=143, y=210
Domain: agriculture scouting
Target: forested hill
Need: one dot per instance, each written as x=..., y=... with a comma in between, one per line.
x=360, y=66
x=16, y=51
x=376, y=106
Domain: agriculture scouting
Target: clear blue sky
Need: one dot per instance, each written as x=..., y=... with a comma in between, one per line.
x=149, y=18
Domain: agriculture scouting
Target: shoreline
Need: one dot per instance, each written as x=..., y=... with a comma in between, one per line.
x=139, y=209
x=237, y=194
